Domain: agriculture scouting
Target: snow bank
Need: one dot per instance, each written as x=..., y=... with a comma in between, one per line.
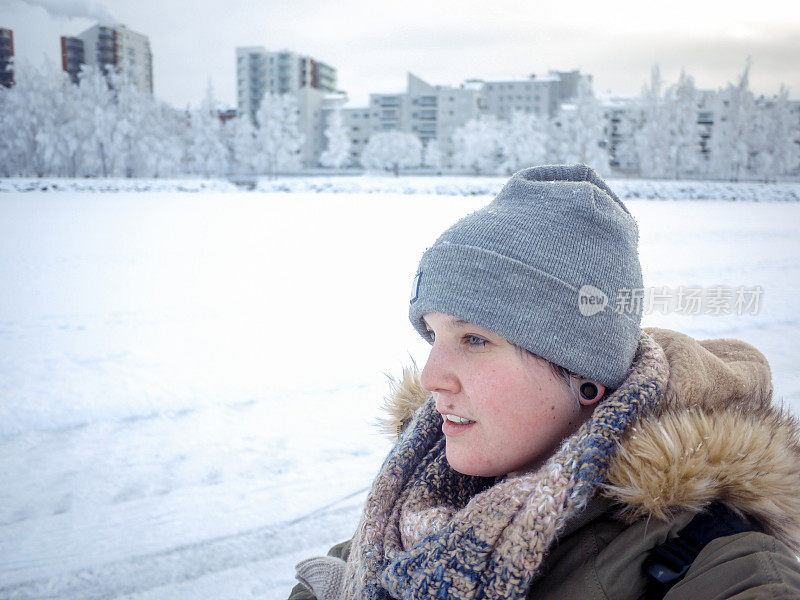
x=628, y=189
x=111, y=185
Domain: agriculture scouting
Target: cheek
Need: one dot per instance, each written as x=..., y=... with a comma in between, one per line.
x=519, y=400
x=511, y=395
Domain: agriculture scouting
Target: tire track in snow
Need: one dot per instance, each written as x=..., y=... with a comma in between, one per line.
x=192, y=561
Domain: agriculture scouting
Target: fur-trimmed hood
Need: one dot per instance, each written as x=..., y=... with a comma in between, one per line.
x=716, y=437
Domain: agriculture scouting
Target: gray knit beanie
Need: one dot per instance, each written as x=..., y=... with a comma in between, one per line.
x=544, y=265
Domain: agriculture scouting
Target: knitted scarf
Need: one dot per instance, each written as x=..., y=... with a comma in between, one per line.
x=429, y=532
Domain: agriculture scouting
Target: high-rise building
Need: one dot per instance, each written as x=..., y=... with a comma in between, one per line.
x=259, y=71
x=6, y=57
x=72, y=56
x=110, y=47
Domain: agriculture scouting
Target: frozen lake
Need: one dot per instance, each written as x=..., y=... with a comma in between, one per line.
x=189, y=382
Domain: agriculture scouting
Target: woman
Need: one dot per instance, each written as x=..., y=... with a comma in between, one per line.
x=550, y=448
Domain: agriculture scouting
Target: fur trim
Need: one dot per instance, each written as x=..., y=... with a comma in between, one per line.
x=685, y=460
x=405, y=396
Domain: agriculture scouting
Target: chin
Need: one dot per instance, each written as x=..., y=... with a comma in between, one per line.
x=467, y=466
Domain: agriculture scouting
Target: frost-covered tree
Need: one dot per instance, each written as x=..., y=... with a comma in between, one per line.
x=734, y=119
x=523, y=142
x=781, y=129
x=576, y=133
x=652, y=149
x=337, y=151
x=26, y=119
x=432, y=155
x=243, y=145
x=478, y=145
x=101, y=127
x=665, y=134
x=391, y=151
x=167, y=128
x=681, y=137
x=66, y=135
x=206, y=153
x=136, y=126
x=278, y=140
x=105, y=123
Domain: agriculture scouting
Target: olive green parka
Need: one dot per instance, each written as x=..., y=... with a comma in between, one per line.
x=716, y=437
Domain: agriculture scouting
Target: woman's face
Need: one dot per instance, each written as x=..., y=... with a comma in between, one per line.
x=503, y=410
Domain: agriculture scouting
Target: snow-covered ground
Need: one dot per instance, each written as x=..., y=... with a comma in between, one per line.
x=189, y=382
x=447, y=185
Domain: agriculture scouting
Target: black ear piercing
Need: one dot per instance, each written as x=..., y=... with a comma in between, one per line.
x=588, y=391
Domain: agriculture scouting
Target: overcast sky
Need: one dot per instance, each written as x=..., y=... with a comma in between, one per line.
x=374, y=44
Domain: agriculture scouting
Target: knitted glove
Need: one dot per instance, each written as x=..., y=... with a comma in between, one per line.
x=323, y=575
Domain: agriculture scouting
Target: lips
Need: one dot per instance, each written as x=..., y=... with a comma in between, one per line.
x=455, y=425
x=456, y=419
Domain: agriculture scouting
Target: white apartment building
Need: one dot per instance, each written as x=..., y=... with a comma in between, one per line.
x=359, y=124
x=259, y=72
x=436, y=111
x=538, y=95
x=427, y=111
x=316, y=107
x=456, y=106
x=106, y=46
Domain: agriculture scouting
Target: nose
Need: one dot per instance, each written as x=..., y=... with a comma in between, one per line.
x=439, y=374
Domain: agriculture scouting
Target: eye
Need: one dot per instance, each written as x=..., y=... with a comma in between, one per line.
x=431, y=335
x=474, y=341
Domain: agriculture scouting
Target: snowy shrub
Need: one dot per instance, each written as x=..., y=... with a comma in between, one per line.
x=391, y=151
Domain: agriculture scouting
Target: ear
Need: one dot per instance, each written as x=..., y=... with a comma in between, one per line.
x=590, y=392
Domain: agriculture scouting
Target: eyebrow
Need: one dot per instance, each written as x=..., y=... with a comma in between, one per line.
x=451, y=323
